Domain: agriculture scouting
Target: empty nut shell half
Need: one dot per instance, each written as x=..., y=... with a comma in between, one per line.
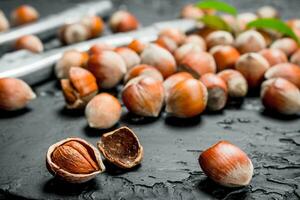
x=122, y=148
x=74, y=160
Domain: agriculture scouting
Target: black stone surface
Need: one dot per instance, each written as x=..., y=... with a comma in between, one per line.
x=170, y=169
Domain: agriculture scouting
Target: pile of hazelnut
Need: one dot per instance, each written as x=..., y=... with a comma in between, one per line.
x=181, y=74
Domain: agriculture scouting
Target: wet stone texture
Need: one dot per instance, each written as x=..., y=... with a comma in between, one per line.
x=170, y=168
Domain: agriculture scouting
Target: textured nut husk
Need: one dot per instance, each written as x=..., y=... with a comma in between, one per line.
x=143, y=96
x=190, y=11
x=226, y=164
x=225, y=56
x=287, y=45
x=171, y=81
x=123, y=21
x=185, y=50
x=103, y=111
x=167, y=43
x=175, y=34
x=236, y=83
x=14, y=94
x=274, y=56
x=187, y=98
x=121, y=147
x=219, y=38
x=108, y=67
x=280, y=95
x=198, y=64
x=217, y=91
x=73, y=33
x=143, y=70
x=159, y=58
x=70, y=58
x=130, y=57
x=288, y=71
x=80, y=88
x=24, y=14
x=253, y=67
x=4, y=24
x=250, y=41
x=95, y=25
x=29, y=42
x=65, y=175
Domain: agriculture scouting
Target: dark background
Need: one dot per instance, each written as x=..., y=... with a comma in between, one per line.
x=170, y=169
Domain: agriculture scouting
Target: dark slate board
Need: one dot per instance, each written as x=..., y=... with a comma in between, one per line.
x=170, y=169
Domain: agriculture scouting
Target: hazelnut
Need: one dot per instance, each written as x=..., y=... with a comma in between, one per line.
x=187, y=98
x=190, y=11
x=225, y=56
x=95, y=25
x=244, y=18
x=74, y=160
x=280, y=95
x=122, y=148
x=24, y=14
x=250, y=41
x=30, y=42
x=73, y=33
x=295, y=58
x=274, y=56
x=288, y=71
x=70, y=58
x=160, y=58
x=143, y=70
x=219, y=38
x=137, y=45
x=198, y=64
x=175, y=34
x=293, y=23
x=80, y=88
x=236, y=83
x=231, y=21
x=267, y=12
x=269, y=36
x=97, y=48
x=130, y=57
x=287, y=45
x=108, y=67
x=143, y=96
x=217, y=91
x=172, y=80
x=185, y=50
x=14, y=94
x=253, y=67
x=103, y=111
x=167, y=43
x=123, y=21
x=4, y=25
x=205, y=31
x=226, y=164
x=196, y=39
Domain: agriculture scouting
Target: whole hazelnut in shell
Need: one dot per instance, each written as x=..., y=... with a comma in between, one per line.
x=250, y=41
x=24, y=14
x=4, y=24
x=29, y=42
x=123, y=21
x=225, y=56
x=130, y=57
x=143, y=70
x=274, y=56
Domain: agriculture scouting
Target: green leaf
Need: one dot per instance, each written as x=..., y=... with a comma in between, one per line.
x=217, y=5
x=216, y=22
x=274, y=24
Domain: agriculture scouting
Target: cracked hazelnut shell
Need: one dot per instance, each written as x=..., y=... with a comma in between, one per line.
x=226, y=164
x=74, y=160
x=121, y=147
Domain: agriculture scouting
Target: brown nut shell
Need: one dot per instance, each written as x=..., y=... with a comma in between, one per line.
x=226, y=164
x=185, y=50
x=217, y=91
x=235, y=81
x=29, y=42
x=280, y=95
x=74, y=160
x=122, y=148
x=103, y=111
x=287, y=45
x=4, y=24
x=74, y=33
x=274, y=56
x=137, y=45
x=225, y=56
x=196, y=39
x=143, y=96
x=159, y=58
x=123, y=21
x=198, y=64
x=288, y=71
x=190, y=11
x=108, y=67
x=99, y=47
x=175, y=34
x=187, y=98
x=143, y=70
x=95, y=25
x=14, y=94
x=130, y=57
x=295, y=58
x=250, y=41
x=167, y=43
x=219, y=38
x=171, y=81
x=253, y=67
x=24, y=14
